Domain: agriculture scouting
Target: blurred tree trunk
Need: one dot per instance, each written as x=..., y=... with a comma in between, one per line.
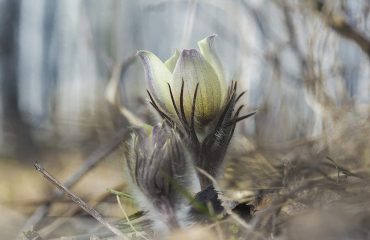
x=16, y=134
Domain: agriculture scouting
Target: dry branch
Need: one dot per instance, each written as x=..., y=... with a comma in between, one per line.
x=78, y=200
x=96, y=156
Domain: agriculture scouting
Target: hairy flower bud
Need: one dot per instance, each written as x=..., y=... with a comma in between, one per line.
x=160, y=171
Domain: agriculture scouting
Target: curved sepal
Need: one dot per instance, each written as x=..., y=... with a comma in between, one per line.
x=157, y=76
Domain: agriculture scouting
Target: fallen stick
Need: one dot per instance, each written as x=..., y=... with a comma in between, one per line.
x=95, y=157
x=78, y=200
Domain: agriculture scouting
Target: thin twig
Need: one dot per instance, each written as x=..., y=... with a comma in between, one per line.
x=118, y=193
x=55, y=224
x=78, y=200
x=128, y=219
x=117, y=71
x=113, y=95
x=95, y=157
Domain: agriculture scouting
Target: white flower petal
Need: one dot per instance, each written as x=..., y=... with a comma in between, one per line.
x=171, y=62
x=157, y=76
x=207, y=49
x=192, y=68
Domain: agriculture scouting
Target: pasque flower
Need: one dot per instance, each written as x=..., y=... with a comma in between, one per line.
x=187, y=72
x=189, y=92
x=199, y=111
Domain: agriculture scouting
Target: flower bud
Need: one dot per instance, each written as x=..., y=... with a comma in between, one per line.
x=187, y=70
x=161, y=171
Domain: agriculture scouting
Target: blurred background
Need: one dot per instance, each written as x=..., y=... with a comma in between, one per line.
x=305, y=65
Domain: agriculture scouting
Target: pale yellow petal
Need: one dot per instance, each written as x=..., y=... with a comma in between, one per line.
x=206, y=47
x=192, y=68
x=157, y=76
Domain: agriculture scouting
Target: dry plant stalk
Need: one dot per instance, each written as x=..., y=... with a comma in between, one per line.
x=78, y=200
